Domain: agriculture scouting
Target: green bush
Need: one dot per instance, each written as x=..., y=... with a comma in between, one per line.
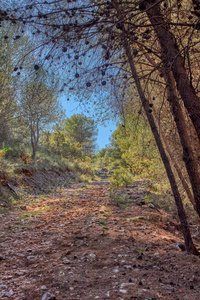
x=121, y=178
x=10, y=153
x=84, y=166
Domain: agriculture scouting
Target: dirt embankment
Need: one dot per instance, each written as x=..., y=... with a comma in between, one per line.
x=30, y=180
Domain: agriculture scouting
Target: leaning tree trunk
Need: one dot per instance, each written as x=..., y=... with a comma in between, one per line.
x=172, y=57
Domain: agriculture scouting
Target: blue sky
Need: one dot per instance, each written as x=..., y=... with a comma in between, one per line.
x=72, y=107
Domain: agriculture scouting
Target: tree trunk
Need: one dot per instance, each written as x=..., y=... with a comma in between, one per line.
x=33, y=150
x=33, y=143
x=171, y=57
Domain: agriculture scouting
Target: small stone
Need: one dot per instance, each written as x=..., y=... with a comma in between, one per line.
x=126, y=284
x=61, y=273
x=48, y=296
x=65, y=261
x=128, y=267
x=92, y=257
x=123, y=291
x=192, y=279
x=10, y=293
x=43, y=287
x=30, y=256
x=20, y=273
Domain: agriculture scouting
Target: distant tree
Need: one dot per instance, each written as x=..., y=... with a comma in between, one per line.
x=56, y=142
x=9, y=50
x=13, y=46
x=83, y=130
x=40, y=108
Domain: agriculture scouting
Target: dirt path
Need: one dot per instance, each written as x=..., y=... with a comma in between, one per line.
x=79, y=245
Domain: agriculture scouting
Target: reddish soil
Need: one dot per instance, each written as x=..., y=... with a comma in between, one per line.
x=78, y=244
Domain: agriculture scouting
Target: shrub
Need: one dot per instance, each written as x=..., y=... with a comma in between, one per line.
x=24, y=157
x=2, y=153
x=9, y=153
x=121, y=178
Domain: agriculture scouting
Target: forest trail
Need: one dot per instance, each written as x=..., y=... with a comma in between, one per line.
x=81, y=244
